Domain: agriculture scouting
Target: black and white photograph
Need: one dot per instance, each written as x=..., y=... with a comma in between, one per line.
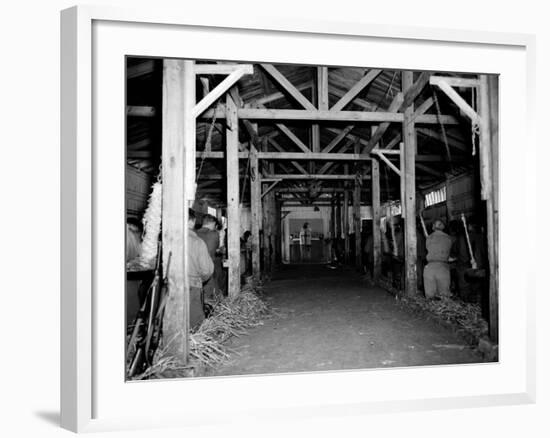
x=285, y=218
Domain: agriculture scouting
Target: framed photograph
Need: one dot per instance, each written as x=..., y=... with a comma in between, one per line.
x=302, y=218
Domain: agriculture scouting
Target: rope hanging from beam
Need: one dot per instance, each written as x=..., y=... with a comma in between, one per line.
x=475, y=125
x=208, y=142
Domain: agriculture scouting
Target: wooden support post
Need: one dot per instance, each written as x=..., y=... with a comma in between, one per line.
x=376, y=216
x=357, y=216
x=276, y=238
x=268, y=213
x=338, y=216
x=408, y=202
x=322, y=104
x=233, y=219
x=345, y=219
x=333, y=217
x=256, y=210
x=178, y=134
x=488, y=151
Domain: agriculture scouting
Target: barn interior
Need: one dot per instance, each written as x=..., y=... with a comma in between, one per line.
x=368, y=158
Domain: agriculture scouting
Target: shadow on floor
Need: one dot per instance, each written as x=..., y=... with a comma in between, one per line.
x=51, y=417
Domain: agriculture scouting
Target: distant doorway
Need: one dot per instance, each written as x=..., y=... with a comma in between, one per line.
x=301, y=254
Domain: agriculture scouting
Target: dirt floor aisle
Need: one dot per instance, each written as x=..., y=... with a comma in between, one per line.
x=329, y=320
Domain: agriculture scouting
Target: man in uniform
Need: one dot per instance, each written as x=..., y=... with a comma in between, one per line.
x=437, y=277
x=199, y=269
x=211, y=237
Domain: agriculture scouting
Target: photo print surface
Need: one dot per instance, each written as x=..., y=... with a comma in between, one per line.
x=298, y=218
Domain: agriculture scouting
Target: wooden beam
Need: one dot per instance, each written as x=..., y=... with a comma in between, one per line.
x=140, y=69
x=455, y=97
x=205, y=82
x=221, y=88
x=270, y=187
x=341, y=135
x=356, y=89
x=487, y=136
x=256, y=211
x=293, y=137
x=423, y=107
x=411, y=92
x=233, y=218
x=357, y=216
x=345, y=220
x=493, y=207
x=376, y=238
x=322, y=87
x=278, y=95
x=325, y=168
x=329, y=116
x=393, y=142
x=222, y=69
x=400, y=101
x=176, y=119
x=456, y=82
x=290, y=89
x=322, y=104
x=377, y=136
x=317, y=156
x=277, y=146
x=283, y=176
x=320, y=115
x=408, y=201
x=388, y=162
x=140, y=111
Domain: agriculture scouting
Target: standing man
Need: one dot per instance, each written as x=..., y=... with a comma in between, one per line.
x=199, y=269
x=211, y=237
x=437, y=277
x=305, y=241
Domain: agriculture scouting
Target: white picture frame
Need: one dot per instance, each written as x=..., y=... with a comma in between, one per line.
x=86, y=404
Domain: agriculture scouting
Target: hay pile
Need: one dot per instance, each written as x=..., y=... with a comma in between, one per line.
x=230, y=317
x=464, y=317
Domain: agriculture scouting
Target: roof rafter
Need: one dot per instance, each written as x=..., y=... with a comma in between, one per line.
x=356, y=89
x=285, y=83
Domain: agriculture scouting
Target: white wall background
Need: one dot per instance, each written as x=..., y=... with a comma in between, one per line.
x=29, y=90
